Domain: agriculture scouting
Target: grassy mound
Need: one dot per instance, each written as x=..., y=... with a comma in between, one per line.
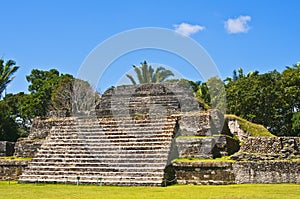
x=255, y=130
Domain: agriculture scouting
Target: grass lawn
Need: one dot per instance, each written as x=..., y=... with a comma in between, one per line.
x=15, y=190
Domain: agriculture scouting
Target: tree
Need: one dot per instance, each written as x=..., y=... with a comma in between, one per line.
x=271, y=99
x=6, y=71
x=74, y=96
x=296, y=123
x=19, y=109
x=215, y=90
x=41, y=87
x=146, y=74
x=8, y=128
x=291, y=82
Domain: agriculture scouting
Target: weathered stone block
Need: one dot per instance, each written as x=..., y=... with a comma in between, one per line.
x=195, y=147
x=11, y=169
x=204, y=172
x=6, y=148
x=264, y=147
x=247, y=172
x=267, y=172
x=206, y=147
x=27, y=148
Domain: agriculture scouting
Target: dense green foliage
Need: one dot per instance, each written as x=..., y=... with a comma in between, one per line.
x=263, y=191
x=271, y=99
x=48, y=91
x=8, y=127
x=147, y=74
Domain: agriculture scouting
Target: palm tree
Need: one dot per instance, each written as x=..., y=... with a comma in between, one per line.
x=6, y=71
x=146, y=74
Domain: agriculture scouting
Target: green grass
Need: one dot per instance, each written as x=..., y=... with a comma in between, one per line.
x=14, y=158
x=222, y=159
x=255, y=130
x=44, y=191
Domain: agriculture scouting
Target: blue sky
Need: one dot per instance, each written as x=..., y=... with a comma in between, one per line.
x=252, y=34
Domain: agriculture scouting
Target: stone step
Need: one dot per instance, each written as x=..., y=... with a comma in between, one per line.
x=104, y=156
x=119, y=120
x=104, y=171
x=123, y=168
x=123, y=152
x=83, y=177
x=115, y=127
x=112, y=151
x=96, y=173
x=105, y=147
x=97, y=164
x=114, y=131
x=117, y=182
x=124, y=119
x=120, y=137
x=107, y=139
x=117, y=138
x=104, y=143
x=96, y=160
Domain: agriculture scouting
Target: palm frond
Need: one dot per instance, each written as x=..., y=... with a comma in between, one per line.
x=131, y=79
x=6, y=72
x=144, y=71
x=139, y=74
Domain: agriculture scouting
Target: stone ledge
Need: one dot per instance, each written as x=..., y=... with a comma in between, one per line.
x=263, y=172
x=12, y=169
x=13, y=162
x=202, y=164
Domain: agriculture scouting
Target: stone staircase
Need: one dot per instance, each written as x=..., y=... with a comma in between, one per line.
x=115, y=152
x=129, y=139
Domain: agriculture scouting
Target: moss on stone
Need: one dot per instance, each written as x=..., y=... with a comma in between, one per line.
x=255, y=130
x=222, y=159
x=15, y=158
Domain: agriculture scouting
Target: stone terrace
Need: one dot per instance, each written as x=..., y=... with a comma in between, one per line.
x=134, y=152
x=128, y=143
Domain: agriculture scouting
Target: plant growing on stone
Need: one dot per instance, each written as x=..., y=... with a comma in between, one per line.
x=147, y=74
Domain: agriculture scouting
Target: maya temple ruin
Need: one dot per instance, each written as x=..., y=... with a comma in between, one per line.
x=149, y=135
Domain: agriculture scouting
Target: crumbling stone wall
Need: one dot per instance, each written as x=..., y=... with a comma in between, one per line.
x=269, y=148
x=204, y=173
x=40, y=128
x=270, y=144
x=206, y=123
x=206, y=147
x=27, y=147
x=266, y=172
x=11, y=169
x=128, y=100
x=247, y=172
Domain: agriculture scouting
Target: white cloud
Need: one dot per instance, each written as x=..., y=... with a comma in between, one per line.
x=237, y=25
x=187, y=29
